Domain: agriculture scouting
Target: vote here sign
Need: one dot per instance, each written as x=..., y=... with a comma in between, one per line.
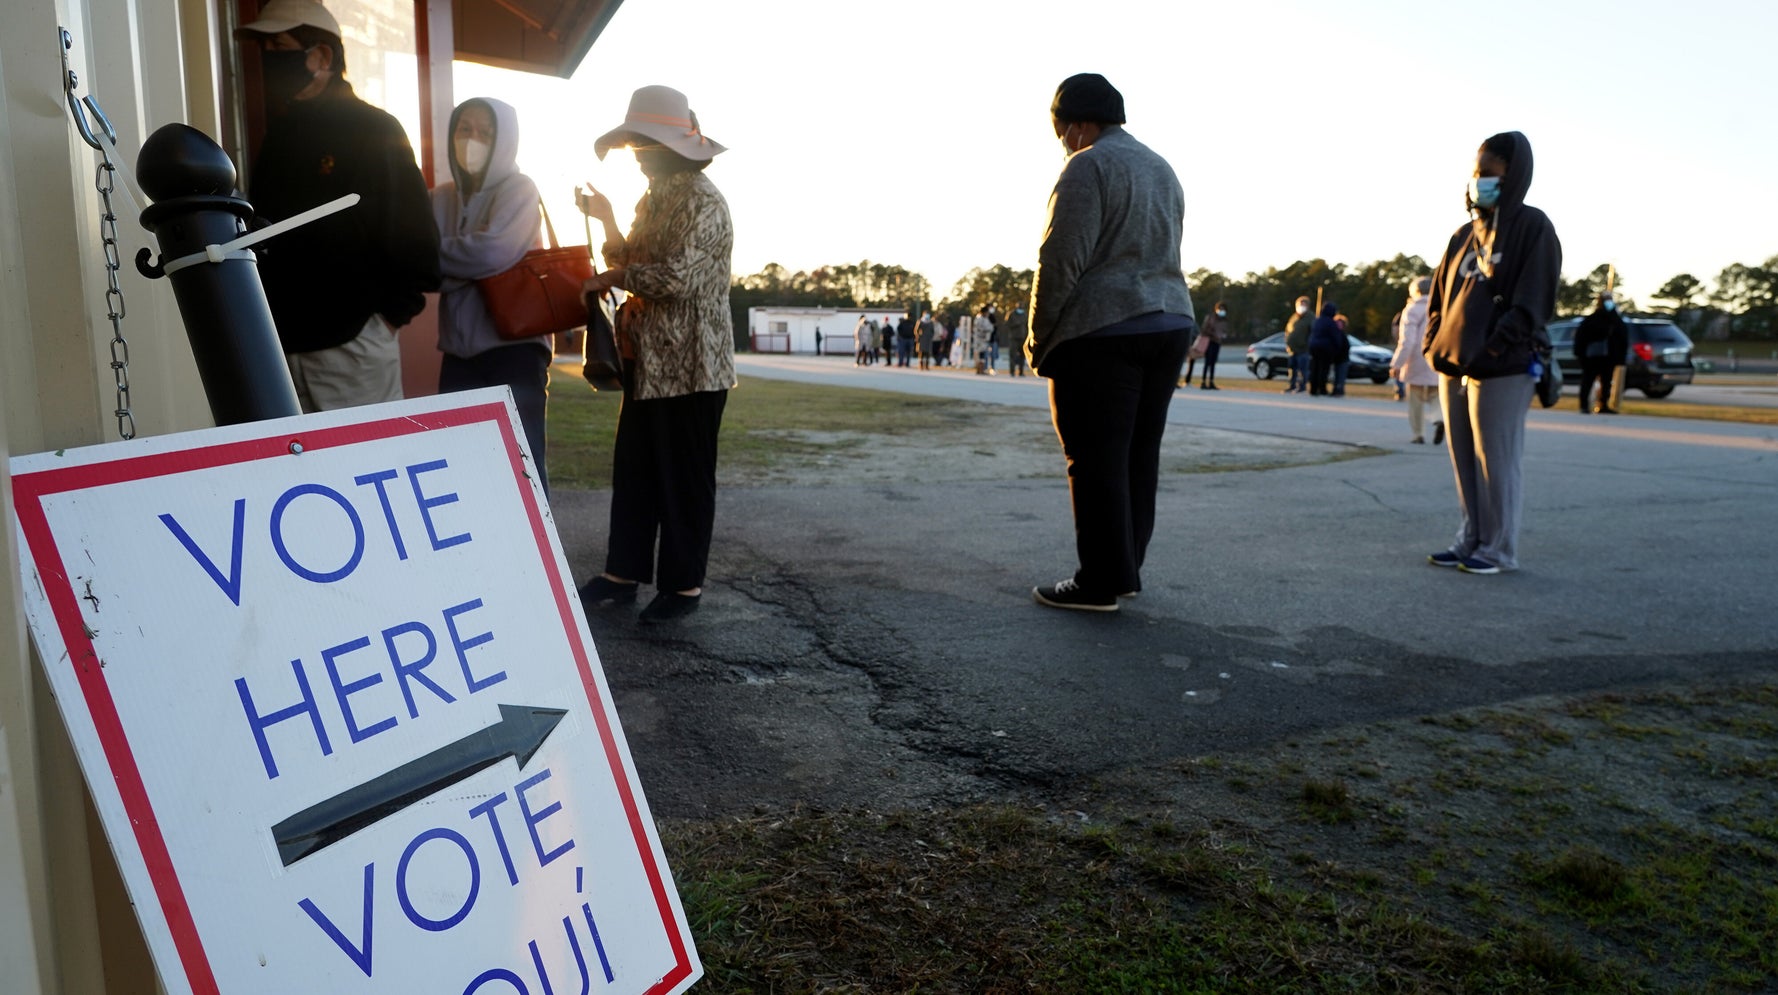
x=331, y=686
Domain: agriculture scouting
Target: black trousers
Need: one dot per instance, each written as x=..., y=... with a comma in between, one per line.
x=1319, y=368
x=1595, y=371
x=1212, y=350
x=525, y=369
x=1108, y=399
x=663, y=485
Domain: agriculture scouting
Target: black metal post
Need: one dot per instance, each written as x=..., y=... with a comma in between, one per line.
x=240, y=361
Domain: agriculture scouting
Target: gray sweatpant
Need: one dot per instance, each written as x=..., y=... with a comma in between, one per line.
x=1485, y=432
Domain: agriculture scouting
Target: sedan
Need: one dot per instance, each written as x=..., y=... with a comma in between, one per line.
x=1268, y=358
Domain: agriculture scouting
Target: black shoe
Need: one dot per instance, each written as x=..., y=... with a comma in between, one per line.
x=1602, y=410
x=604, y=591
x=1438, y=433
x=669, y=605
x=1067, y=594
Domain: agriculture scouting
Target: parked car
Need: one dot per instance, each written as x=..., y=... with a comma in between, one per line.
x=1267, y=358
x=1660, y=355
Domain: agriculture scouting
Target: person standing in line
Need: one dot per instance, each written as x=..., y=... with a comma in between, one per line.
x=1493, y=291
x=1111, y=320
x=1211, y=333
x=1296, y=346
x=1408, y=366
x=886, y=333
x=980, y=333
x=487, y=216
x=676, y=264
x=861, y=342
x=1342, y=356
x=904, y=341
x=1017, y=328
x=1601, y=343
x=993, y=338
x=1324, y=348
x=927, y=332
x=339, y=287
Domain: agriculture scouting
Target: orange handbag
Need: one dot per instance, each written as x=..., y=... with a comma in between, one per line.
x=540, y=295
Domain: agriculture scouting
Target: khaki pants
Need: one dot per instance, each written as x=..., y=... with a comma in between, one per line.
x=366, y=370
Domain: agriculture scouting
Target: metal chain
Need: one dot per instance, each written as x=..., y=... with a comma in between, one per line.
x=104, y=180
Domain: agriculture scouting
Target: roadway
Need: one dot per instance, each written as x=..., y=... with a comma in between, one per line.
x=877, y=644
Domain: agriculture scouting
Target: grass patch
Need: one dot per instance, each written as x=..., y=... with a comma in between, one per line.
x=755, y=423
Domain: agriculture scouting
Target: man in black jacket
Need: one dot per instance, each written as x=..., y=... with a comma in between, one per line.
x=338, y=287
x=1600, y=344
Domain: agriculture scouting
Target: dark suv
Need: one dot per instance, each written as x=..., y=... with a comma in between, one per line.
x=1660, y=355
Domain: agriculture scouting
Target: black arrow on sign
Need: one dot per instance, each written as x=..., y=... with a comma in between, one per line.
x=520, y=731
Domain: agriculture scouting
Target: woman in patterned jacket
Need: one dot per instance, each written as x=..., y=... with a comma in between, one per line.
x=676, y=332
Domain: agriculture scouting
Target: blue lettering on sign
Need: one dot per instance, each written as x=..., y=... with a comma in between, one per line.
x=427, y=504
x=376, y=480
x=318, y=576
x=346, y=687
x=360, y=951
x=229, y=583
x=259, y=723
x=475, y=880
x=343, y=692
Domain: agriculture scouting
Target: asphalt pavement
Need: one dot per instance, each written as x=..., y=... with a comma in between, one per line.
x=877, y=645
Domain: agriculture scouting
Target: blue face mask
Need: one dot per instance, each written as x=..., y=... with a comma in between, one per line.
x=1484, y=191
x=1610, y=305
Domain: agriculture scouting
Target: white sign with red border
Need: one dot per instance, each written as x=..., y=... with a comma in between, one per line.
x=334, y=695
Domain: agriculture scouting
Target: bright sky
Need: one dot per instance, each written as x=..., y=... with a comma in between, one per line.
x=917, y=132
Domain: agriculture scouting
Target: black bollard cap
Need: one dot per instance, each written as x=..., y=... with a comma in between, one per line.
x=181, y=161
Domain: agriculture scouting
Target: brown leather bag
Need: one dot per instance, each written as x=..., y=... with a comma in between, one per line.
x=540, y=295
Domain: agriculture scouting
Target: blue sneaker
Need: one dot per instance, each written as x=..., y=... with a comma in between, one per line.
x=1444, y=559
x=1476, y=565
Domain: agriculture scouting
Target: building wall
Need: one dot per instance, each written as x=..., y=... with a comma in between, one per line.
x=65, y=923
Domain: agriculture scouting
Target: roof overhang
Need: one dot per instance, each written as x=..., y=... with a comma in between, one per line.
x=550, y=37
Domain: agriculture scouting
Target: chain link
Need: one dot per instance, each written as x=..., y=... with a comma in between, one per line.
x=105, y=181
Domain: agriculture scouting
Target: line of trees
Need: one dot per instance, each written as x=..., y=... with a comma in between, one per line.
x=1742, y=303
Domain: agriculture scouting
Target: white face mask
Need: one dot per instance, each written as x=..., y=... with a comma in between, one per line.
x=1302, y=309
x=1220, y=313
x=472, y=154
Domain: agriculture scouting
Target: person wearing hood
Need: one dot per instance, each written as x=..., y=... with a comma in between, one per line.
x=1296, y=346
x=676, y=264
x=487, y=216
x=1601, y=343
x=1111, y=320
x=1409, y=367
x=1325, y=340
x=1493, y=291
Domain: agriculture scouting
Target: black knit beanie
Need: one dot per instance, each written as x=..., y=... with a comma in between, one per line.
x=1087, y=98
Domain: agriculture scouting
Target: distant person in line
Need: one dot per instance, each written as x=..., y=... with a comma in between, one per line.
x=1601, y=343
x=928, y=329
x=863, y=337
x=993, y=338
x=1296, y=346
x=487, y=216
x=339, y=287
x=886, y=333
x=817, y=340
x=1325, y=338
x=1493, y=291
x=1017, y=328
x=1409, y=367
x=676, y=265
x=980, y=333
x=1111, y=320
x=1343, y=356
x=904, y=341
x=1208, y=346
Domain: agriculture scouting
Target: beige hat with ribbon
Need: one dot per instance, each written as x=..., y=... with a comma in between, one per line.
x=660, y=114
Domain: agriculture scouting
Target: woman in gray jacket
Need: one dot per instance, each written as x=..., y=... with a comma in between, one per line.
x=1111, y=320
x=487, y=217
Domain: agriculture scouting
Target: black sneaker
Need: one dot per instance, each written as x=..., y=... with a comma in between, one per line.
x=604, y=591
x=1445, y=559
x=1476, y=565
x=1067, y=594
x=669, y=605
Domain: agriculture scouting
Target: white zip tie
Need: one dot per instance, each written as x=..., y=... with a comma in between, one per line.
x=237, y=248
